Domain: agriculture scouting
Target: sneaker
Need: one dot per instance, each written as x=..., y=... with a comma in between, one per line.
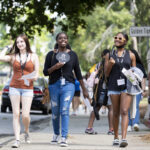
x=136, y=127
x=129, y=129
x=63, y=142
x=27, y=138
x=123, y=143
x=116, y=142
x=110, y=132
x=90, y=131
x=16, y=144
x=55, y=139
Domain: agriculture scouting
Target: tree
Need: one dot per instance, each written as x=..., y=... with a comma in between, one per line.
x=29, y=16
x=102, y=25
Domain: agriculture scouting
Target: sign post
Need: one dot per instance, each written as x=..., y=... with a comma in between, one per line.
x=141, y=32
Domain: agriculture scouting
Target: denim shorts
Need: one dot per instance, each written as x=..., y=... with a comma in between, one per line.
x=20, y=92
x=109, y=101
x=116, y=92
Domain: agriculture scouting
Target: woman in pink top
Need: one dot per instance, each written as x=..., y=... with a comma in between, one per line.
x=23, y=62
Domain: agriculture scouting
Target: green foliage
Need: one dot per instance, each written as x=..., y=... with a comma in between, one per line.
x=29, y=16
x=97, y=31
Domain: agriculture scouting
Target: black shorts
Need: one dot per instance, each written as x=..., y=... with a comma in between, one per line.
x=77, y=93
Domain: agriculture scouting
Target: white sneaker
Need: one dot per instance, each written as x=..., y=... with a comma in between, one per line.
x=63, y=142
x=55, y=139
x=115, y=142
x=129, y=129
x=27, y=138
x=16, y=144
x=136, y=127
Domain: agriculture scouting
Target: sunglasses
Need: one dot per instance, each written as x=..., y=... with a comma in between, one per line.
x=119, y=38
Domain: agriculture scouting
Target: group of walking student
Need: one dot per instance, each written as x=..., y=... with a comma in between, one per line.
x=62, y=66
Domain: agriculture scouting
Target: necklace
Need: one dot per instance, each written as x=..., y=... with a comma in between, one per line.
x=120, y=59
x=23, y=64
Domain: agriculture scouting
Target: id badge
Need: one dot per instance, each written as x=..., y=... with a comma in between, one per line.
x=62, y=81
x=120, y=82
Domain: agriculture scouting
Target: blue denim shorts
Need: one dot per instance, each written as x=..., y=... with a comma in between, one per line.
x=109, y=101
x=20, y=92
x=116, y=92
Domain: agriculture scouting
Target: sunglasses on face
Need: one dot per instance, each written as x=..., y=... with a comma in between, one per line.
x=119, y=38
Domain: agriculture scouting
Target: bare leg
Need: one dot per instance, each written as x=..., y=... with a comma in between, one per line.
x=124, y=106
x=75, y=103
x=15, y=102
x=91, y=120
x=110, y=116
x=26, y=106
x=116, y=113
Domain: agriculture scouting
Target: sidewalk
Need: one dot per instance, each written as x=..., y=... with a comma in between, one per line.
x=41, y=141
x=78, y=140
x=41, y=135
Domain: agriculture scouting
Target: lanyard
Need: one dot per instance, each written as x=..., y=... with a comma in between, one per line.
x=120, y=60
x=23, y=65
x=61, y=72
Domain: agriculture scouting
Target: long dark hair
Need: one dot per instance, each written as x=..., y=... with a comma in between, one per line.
x=138, y=59
x=56, y=45
x=16, y=50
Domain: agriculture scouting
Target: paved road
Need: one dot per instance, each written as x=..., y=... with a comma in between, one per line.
x=41, y=134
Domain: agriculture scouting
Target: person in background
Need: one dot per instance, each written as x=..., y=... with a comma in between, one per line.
x=135, y=122
x=148, y=66
x=83, y=100
x=62, y=85
x=76, y=98
x=23, y=62
x=89, y=129
x=117, y=85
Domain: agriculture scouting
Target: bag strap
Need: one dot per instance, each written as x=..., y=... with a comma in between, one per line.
x=101, y=77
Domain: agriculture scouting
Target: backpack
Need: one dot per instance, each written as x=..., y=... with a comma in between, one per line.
x=100, y=93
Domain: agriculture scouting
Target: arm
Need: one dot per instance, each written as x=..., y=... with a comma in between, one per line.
x=143, y=83
x=85, y=93
x=48, y=69
x=5, y=58
x=144, y=93
x=108, y=65
x=133, y=59
x=55, y=67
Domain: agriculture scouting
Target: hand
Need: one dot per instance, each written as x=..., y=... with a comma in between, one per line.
x=59, y=65
x=112, y=61
x=144, y=93
x=85, y=93
x=96, y=81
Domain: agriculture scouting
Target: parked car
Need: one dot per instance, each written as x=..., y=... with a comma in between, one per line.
x=39, y=86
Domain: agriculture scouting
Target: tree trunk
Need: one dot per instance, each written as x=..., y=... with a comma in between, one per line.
x=132, y=10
